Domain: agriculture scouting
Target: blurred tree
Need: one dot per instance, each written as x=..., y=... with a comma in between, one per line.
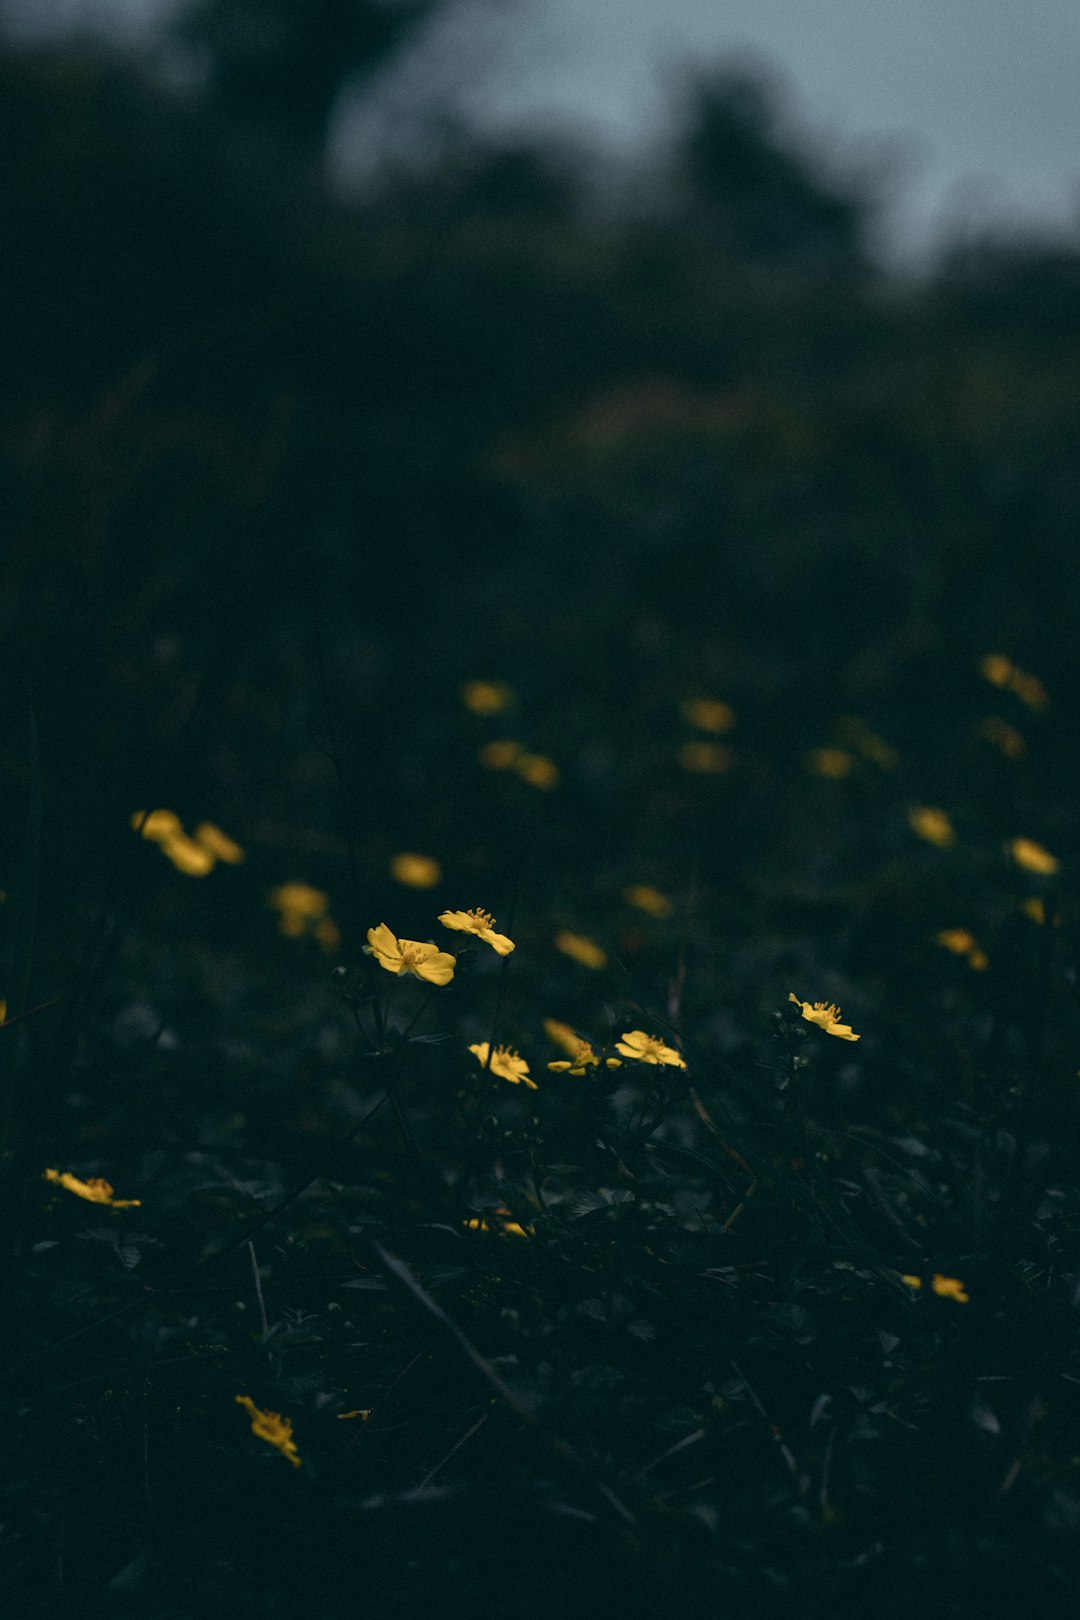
x=280, y=65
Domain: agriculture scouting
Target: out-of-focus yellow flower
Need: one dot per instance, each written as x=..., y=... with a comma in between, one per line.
x=648, y=899
x=1001, y=671
x=3, y=1009
x=1033, y=857
x=912, y=1282
x=422, y=960
x=505, y=1062
x=416, y=871
x=95, y=1191
x=962, y=943
x=501, y=1221
x=826, y=1016
x=708, y=714
x=303, y=910
x=835, y=763
x=581, y=949
x=273, y=1428
x=644, y=1048
x=562, y=1035
x=187, y=856
x=705, y=758
x=157, y=825
x=220, y=845
x=328, y=934
x=538, y=771
x=856, y=734
x=949, y=1288
x=501, y=755
x=486, y=697
x=1034, y=908
x=999, y=732
x=480, y=923
x=932, y=825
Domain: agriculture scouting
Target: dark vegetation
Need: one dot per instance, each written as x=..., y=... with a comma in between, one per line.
x=281, y=473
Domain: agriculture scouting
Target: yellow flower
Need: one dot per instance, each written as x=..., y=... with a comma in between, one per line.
x=501, y=755
x=581, y=1057
x=962, y=943
x=416, y=871
x=705, y=758
x=1001, y=671
x=188, y=856
x=486, y=697
x=95, y=1191
x=580, y=949
x=537, y=771
x=424, y=961
x=328, y=934
x=480, y=923
x=826, y=1017
x=835, y=763
x=648, y=899
x=159, y=824
x=1002, y=735
x=949, y=1288
x=273, y=1428
x=1033, y=857
x=220, y=845
x=505, y=1062
x=932, y=825
x=708, y=714
x=912, y=1282
x=300, y=899
x=644, y=1048
x=1036, y=910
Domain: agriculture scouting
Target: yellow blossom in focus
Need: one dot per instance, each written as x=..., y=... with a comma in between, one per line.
x=505, y=1062
x=273, y=1428
x=95, y=1191
x=1033, y=857
x=480, y=923
x=835, y=763
x=912, y=1282
x=644, y=1048
x=826, y=1016
x=1001, y=671
x=416, y=871
x=705, y=758
x=486, y=697
x=422, y=960
x=949, y=1288
x=580, y=949
x=932, y=825
x=1002, y=735
x=501, y=755
x=708, y=714
x=962, y=943
x=220, y=845
x=648, y=899
x=538, y=771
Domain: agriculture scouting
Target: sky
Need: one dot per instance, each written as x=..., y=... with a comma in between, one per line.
x=972, y=104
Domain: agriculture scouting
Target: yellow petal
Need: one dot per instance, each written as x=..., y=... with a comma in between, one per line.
x=932, y=825
x=218, y=843
x=498, y=942
x=416, y=871
x=385, y=948
x=538, y=771
x=157, y=825
x=581, y=949
x=1033, y=857
x=188, y=856
x=436, y=969
x=648, y=899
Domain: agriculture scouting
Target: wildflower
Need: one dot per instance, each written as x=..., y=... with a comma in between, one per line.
x=192, y=858
x=303, y=910
x=480, y=923
x=1002, y=735
x=580, y=949
x=1001, y=671
x=705, y=758
x=912, y=1282
x=1036, y=910
x=708, y=714
x=505, y=1062
x=1033, y=857
x=538, y=771
x=648, y=899
x=835, y=763
x=826, y=1016
x=580, y=1055
x=501, y=755
x=95, y=1191
x=424, y=961
x=932, y=825
x=416, y=871
x=220, y=845
x=949, y=1288
x=158, y=825
x=273, y=1428
x=486, y=697
x=501, y=1220
x=962, y=943
x=649, y=1049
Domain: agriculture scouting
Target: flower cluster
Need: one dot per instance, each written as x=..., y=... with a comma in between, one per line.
x=195, y=856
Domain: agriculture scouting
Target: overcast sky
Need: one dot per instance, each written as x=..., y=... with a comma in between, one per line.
x=977, y=99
